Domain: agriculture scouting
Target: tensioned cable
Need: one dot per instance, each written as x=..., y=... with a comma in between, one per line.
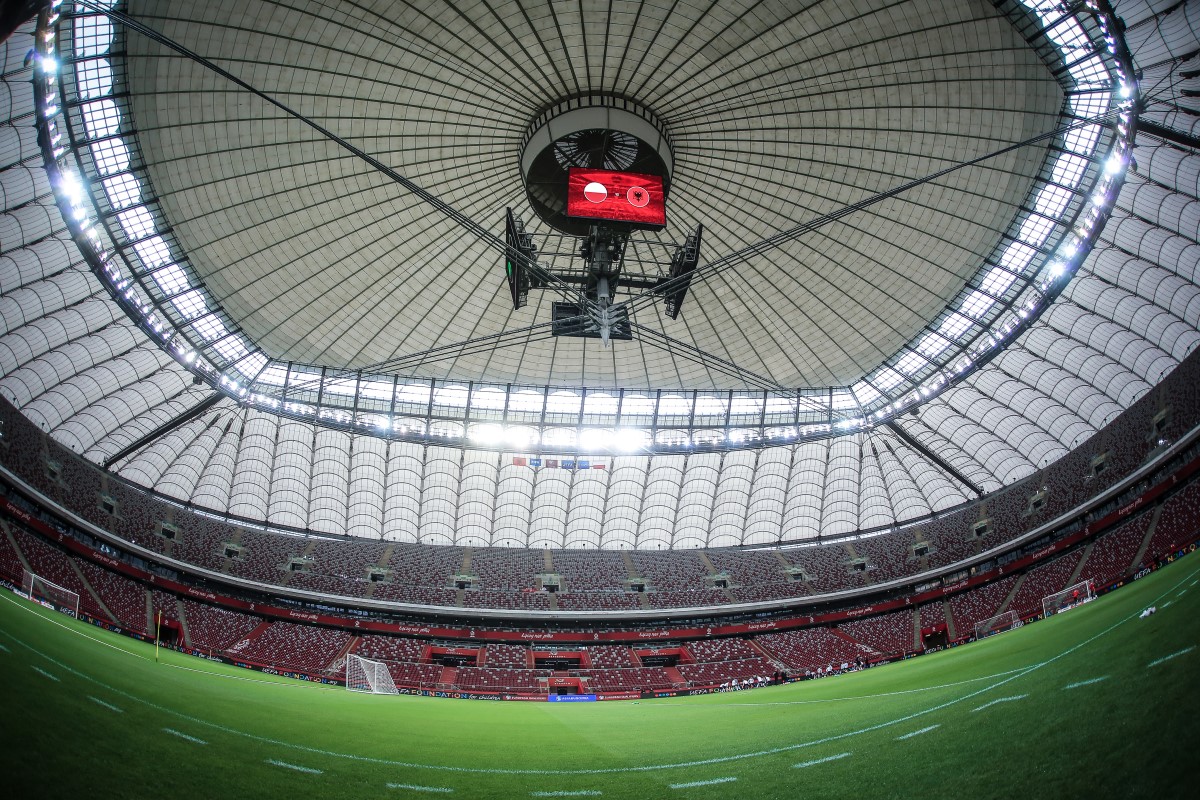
x=703, y=272
x=739, y=256
x=678, y=348
x=464, y=221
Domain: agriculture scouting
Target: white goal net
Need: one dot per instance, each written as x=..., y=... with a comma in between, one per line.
x=1068, y=598
x=365, y=675
x=44, y=591
x=997, y=624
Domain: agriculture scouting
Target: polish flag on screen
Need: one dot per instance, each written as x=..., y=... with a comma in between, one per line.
x=629, y=197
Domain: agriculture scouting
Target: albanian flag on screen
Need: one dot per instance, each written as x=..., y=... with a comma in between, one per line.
x=629, y=197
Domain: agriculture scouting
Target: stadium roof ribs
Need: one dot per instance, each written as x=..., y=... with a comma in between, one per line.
x=181, y=419
x=935, y=458
x=78, y=367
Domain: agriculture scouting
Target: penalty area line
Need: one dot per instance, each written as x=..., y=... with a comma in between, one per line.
x=917, y=733
x=580, y=793
x=1153, y=663
x=1088, y=682
x=1000, y=700
x=824, y=760
x=41, y=671
x=411, y=787
x=694, y=784
x=109, y=706
x=296, y=767
x=184, y=736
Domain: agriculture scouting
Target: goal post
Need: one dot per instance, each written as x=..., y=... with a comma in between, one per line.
x=1005, y=621
x=365, y=675
x=60, y=597
x=1068, y=598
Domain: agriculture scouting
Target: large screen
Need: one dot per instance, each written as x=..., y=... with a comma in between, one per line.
x=618, y=196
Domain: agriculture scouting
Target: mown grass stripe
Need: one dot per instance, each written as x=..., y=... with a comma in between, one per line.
x=41, y=671
x=296, y=767
x=1088, y=682
x=109, y=706
x=184, y=736
x=1153, y=663
x=693, y=784
x=1001, y=700
x=824, y=760
x=917, y=733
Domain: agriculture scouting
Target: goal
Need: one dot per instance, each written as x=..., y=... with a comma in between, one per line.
x=997, y=624
x=42, y=590
x=365, y=675
x=1068, y=598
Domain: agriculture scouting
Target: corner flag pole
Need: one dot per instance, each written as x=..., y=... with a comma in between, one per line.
x=157, y=631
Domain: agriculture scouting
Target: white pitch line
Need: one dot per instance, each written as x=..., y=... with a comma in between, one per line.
x=580, y=793
x=917, y=733
x=184, y=736
x=1153, y=663
x=694, y=784
x=1166, y=604
x=5, y=649
x=670, y=702
x=414, y=788
x=41, y=671
x=824, y=760
x=1023, y=672
x=1088, y=682
x=296, y=767
x=1001, y=700
x=109, y=706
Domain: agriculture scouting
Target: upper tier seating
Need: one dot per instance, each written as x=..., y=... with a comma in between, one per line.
x=584, y=570
x=671, y=570
x=420, y=573
x=506, y=567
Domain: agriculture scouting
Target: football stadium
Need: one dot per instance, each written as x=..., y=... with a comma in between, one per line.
x=599, y=399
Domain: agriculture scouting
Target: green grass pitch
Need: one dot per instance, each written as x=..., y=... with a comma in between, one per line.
x=1092, y=703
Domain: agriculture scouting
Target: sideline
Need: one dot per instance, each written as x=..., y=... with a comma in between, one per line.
x=27, y=606
x=677, y=702
x=601, y=770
